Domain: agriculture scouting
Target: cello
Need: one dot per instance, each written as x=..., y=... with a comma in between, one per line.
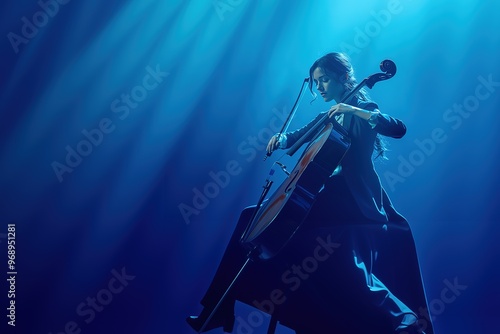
x=275, y=222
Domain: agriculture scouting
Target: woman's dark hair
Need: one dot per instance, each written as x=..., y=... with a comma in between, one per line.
x=338, y=67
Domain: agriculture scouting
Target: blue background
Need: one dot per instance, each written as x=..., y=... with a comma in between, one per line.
x=228, y=72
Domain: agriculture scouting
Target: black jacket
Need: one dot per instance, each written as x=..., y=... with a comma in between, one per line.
x=357, y=164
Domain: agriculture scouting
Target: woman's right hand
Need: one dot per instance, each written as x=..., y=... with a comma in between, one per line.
x=273, y=144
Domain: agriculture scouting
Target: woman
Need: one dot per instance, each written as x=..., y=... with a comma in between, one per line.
x=348, y=290
x=354, y=196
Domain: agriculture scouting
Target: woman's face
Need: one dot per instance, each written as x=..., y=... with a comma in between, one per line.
x=329, y=88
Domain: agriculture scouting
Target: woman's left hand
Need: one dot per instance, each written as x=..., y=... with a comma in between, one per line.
x=340, y=108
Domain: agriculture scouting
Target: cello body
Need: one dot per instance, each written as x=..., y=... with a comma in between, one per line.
x=278, y=218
